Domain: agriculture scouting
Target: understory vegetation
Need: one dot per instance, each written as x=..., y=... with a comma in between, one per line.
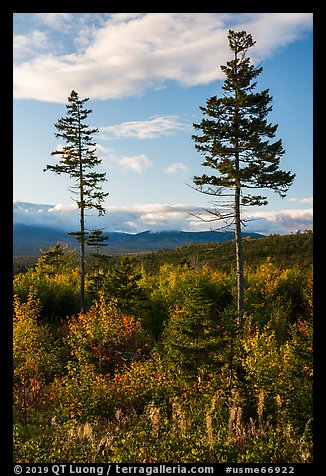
x=156, y=368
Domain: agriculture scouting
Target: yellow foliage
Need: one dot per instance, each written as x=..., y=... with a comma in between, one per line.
x=28, y=310
x=268, y=365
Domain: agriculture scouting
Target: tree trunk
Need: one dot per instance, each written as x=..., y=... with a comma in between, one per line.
x=82, y=221
x=237, y=193
x=82, y=259
x=239, y=255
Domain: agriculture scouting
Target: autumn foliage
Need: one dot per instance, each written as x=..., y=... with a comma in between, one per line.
x=176, y=380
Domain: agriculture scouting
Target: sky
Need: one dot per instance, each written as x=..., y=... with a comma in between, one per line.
x=146, y=76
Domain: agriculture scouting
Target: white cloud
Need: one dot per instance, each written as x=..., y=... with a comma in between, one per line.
x=152, y=128
x=282, y=221
x=24, y=45
x=60, y=216
x=177, y=167
x=308, y=200
x=61, y=209
x=275, y=30
x=127, y=53
x=134, y=163
x=53, y=20
x=156, y=217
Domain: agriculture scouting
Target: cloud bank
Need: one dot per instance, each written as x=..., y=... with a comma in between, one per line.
x=156, y=217
x=121, y=54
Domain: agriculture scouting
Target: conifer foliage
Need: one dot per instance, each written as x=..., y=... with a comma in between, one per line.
x=237, y=144
x=191, y=337
x=78, y=159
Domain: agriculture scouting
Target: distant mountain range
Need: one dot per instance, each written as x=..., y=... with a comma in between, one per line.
x=27, y=240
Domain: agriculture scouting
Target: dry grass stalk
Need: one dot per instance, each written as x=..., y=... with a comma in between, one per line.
x=154, y=416
x=209, y=421
x=178, y=417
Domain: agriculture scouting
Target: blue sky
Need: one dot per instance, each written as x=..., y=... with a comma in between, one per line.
x=146, y=75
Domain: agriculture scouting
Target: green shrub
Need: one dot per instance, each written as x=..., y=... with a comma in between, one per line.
x=58, y=293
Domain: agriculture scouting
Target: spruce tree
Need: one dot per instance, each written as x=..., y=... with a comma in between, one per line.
x=237, y=144
x=77, y=159
x=122, y=282
x=192, y=336
x=95, y=239
x=52, y=260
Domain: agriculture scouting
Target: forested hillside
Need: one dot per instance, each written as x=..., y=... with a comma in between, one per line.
x=284, y=250
x=157, y=368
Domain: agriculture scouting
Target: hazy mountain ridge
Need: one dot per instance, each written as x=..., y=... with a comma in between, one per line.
x=27, y=240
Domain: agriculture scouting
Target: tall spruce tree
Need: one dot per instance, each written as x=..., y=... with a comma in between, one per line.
x=77, y=159
x=236, y=142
